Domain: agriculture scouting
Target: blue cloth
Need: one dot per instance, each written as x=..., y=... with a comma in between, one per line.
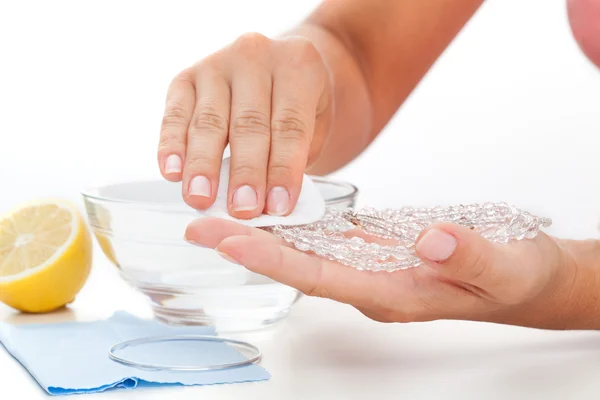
x=72, y=357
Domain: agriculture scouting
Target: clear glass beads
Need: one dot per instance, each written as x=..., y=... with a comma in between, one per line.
x=331, y=237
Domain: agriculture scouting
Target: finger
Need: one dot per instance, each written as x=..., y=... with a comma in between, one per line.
x=311, y=275
x=297, y=88
x=250, y=129
x=178, y=111
x=206, y=139
x=209, y=232
x=583, y=17
x=502, y=271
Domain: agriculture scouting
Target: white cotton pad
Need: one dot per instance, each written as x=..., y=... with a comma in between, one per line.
x=310, y=207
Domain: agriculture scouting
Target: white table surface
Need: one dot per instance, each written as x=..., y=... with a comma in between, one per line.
x=330, y=351
x=510, y=113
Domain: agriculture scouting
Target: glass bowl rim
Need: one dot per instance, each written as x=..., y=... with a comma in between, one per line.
x=88, y=194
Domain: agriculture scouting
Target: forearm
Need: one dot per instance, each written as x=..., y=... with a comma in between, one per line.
x=376, y=51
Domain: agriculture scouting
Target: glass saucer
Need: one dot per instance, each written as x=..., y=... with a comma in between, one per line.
x=195, y=352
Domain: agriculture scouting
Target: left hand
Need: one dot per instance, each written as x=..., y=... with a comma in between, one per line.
x=542, y=282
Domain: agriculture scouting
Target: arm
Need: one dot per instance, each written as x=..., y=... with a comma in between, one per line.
x=376, y=51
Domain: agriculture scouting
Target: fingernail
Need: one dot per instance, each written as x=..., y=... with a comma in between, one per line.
x=436, y=245
x=200, y=186
x=173, y=164
x=195, y=243
x=278, y=201
x=227, y=257
x=245, y=199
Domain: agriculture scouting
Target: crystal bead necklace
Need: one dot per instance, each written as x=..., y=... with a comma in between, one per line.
x=332, y=237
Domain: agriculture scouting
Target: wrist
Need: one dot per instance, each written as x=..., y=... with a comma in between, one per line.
x=583, y=301
x=350, y=129
x=570, y=300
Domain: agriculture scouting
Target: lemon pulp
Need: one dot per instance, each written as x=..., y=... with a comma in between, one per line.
x=45, y=255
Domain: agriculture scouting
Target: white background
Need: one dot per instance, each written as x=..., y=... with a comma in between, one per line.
x=511, y=112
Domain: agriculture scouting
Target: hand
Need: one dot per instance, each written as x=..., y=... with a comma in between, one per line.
x=542, y=282
x=270, y=101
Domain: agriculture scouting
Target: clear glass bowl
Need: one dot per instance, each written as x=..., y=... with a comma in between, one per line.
x=140, y=227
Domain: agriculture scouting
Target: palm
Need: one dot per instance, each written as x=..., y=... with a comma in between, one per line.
x=493, y=277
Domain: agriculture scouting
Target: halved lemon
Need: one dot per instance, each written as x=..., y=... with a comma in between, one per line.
x=45, y=255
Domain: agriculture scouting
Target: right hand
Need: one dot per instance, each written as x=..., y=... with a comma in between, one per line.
x=270, y=100
x=542, y=282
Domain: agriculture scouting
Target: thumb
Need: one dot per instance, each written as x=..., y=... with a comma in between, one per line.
x=461, y=254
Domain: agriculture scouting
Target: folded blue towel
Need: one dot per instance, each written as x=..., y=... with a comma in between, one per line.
x=72, y=357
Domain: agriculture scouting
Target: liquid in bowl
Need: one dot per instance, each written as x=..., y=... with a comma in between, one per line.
x=140, y=227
